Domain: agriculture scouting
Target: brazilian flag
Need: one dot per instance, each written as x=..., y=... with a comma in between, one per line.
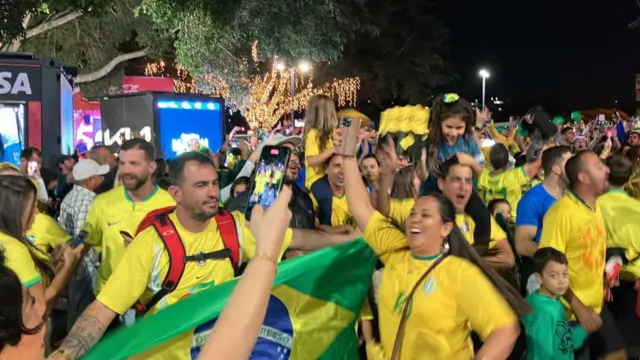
x=312, y=312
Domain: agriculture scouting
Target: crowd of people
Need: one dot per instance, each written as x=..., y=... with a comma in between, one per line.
x=523, y=246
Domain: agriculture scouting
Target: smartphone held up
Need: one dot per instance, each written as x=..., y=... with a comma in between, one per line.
x=269, y=177
x=350, y=128
x=32, y=168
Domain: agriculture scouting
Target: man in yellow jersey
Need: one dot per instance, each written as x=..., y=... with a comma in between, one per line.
x=195, y=188
x=501, y=183
x=328, y=198
x=115, y=215
x=620, y=212
x=456, y=183
x=574, y=225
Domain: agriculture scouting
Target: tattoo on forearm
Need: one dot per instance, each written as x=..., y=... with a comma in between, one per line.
x=86, y=332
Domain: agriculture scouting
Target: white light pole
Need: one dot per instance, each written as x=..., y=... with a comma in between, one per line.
x=484, y=74
x=304, y=67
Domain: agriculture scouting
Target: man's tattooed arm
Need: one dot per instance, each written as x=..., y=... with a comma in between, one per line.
x=87, y=330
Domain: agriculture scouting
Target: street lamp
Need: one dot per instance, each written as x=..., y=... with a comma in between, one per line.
x=303, y=67
x=484, y=73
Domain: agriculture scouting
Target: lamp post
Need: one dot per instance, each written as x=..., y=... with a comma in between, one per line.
x=303, y=67
x=484, y=74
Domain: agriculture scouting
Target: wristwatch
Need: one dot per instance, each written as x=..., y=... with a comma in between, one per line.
x=62, y=353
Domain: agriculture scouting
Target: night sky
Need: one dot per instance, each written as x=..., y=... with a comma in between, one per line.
x=564, y=55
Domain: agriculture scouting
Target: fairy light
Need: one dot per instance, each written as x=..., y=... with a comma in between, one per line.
x=267, y=98
x=254, y=51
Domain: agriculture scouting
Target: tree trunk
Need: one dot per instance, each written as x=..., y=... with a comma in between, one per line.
x=103, y=71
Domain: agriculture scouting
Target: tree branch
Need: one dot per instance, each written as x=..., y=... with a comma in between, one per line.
x=50, y=24
x=103, y=71
x=14, y=45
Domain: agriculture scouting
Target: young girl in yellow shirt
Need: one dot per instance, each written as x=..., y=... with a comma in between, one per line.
x=320, y=123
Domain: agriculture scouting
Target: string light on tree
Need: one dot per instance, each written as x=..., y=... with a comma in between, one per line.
x=267, y=97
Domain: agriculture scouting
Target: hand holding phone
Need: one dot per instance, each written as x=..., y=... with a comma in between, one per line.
x=32, y=169
x=349, y=129
x=269, y=177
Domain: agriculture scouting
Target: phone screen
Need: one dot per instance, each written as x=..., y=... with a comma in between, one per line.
x=269, y=177
x=32, y=168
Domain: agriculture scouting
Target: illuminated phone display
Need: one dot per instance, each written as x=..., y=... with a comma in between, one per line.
x=269, y=177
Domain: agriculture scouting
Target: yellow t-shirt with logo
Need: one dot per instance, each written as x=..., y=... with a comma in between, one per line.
x=467, y=226
x=453, y=300
x=578, y=231
x=506, y=185
x=620, y=212
x=46, y=233
x=312, y=148
x=144, y=266
x=340, y=214
x=18, y=259
x=112, y=212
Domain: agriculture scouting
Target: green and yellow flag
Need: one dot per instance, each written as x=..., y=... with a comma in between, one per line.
x=314, y=306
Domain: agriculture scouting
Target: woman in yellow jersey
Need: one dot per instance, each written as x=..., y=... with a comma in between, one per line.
x=22, y=325
x=32, y=265
x=320, y=123
x=429, y=315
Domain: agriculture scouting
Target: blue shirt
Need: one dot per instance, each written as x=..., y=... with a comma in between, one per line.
x=532, y=208
x=464, y=144
x=301, y=176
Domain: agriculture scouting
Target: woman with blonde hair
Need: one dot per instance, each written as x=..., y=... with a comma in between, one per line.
x=320, y=123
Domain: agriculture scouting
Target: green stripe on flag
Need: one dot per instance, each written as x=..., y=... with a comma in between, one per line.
x=327, y=286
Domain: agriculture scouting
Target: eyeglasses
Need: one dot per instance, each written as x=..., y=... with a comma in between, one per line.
x=450, y=98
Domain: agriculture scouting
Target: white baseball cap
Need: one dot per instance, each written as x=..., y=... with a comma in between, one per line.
x=278, y=139
x=88, y=168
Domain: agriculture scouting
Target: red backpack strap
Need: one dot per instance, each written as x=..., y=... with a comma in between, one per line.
x=175, y=249
x=229, y=233
x=152, y=217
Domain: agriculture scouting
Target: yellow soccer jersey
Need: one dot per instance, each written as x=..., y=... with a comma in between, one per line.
x=312, y=148
x=506, y=185
x=46, y=233
x=468, y=226
x=340, y=214
x=400, y=209
x=578, y=231
x=18, y=259
x=144, y=266
x=633, y=186
x=453, y=300
x=111, y=213
x=620, y=212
